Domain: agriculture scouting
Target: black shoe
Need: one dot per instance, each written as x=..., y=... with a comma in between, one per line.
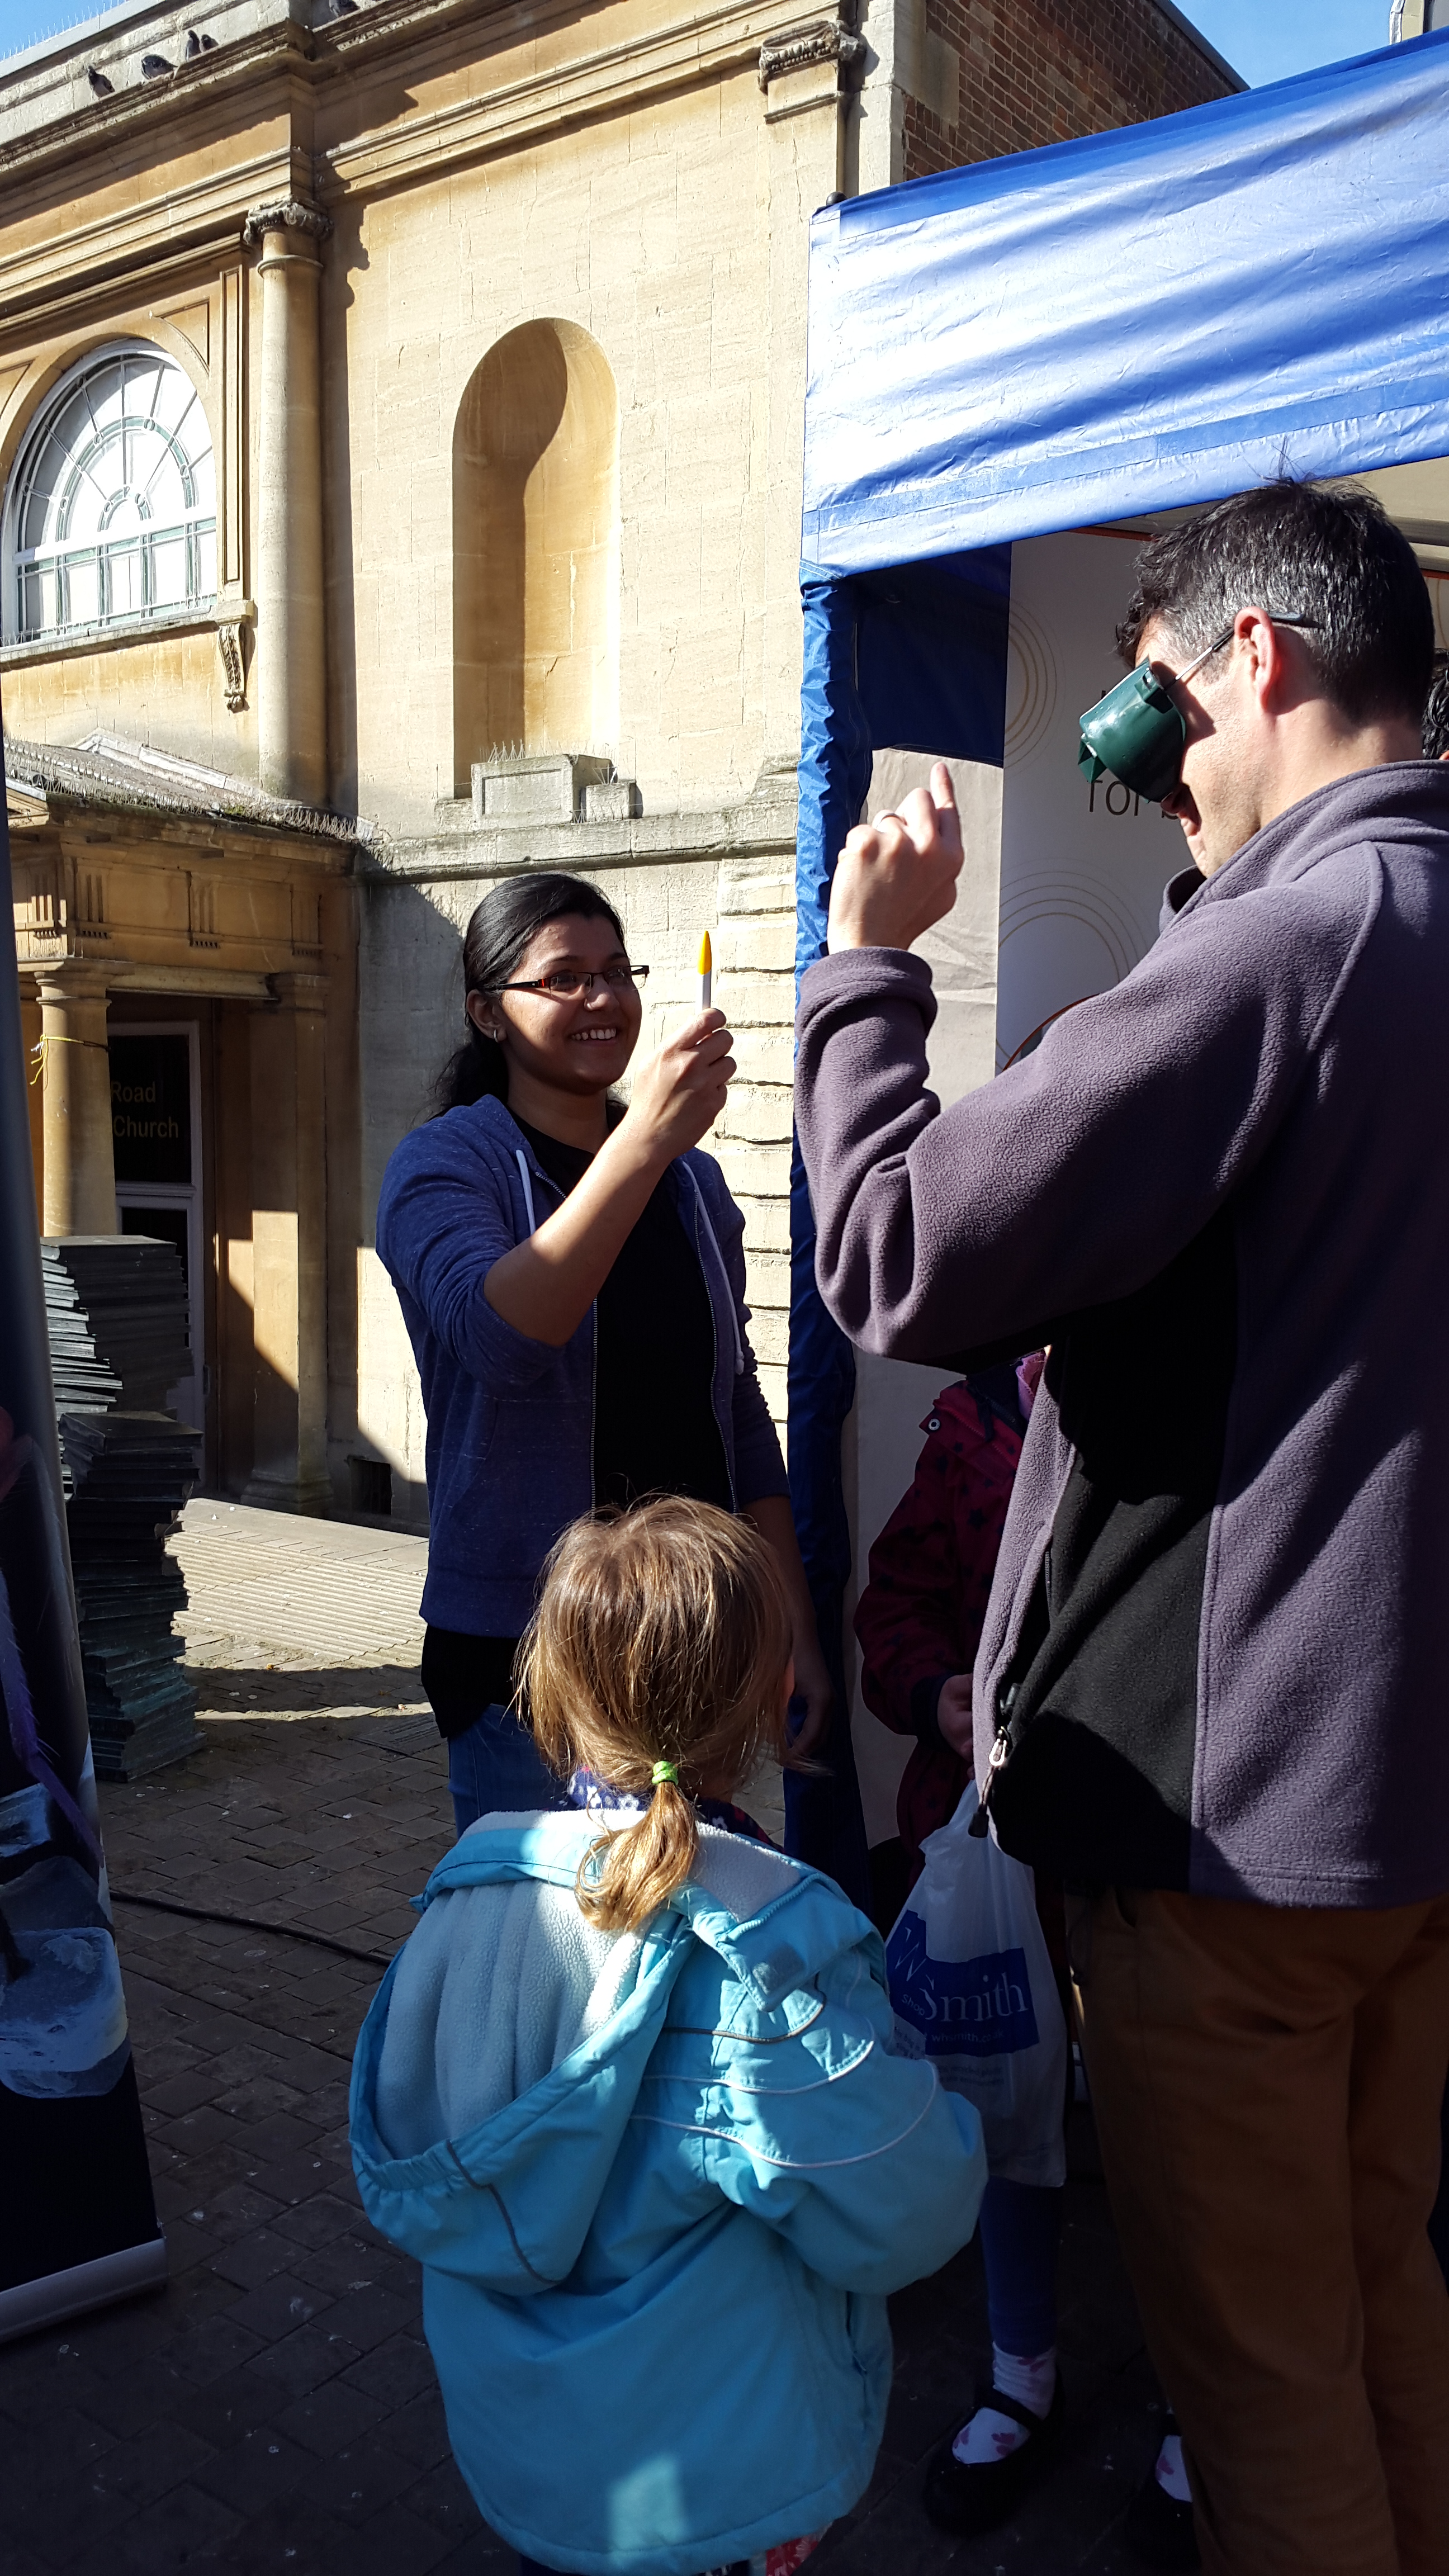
x=1159, y=2528
x=964, y=2498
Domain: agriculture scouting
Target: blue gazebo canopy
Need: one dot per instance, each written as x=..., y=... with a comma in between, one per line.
x=1140, y=320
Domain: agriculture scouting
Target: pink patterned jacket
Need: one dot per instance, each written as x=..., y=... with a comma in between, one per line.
x=920, y=1616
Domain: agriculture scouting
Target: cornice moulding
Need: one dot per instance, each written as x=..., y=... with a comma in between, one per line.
x=212, y=210
x=694, y=49
x=98, y=129
x=758, y=826
x=206, y=215
x=31, y=321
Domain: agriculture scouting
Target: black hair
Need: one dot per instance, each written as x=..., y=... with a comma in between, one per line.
x=496, y=938
x=1436, y=711
x=1300, y=550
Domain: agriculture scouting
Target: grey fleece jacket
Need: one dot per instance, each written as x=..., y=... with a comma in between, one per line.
x=1217, y=1649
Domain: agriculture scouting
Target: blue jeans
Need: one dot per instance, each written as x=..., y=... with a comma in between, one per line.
x=1020, y=2226
x=494, y=1764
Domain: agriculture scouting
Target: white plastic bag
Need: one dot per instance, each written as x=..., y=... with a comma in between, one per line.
x=972, y=1988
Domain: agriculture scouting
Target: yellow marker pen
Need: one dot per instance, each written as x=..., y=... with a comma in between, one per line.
x=706, y=972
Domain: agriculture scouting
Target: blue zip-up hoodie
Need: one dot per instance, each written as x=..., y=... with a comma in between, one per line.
x=510, y=1449
x=659, y=2185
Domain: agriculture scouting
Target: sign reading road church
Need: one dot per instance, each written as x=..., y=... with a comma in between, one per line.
x=151, y=1108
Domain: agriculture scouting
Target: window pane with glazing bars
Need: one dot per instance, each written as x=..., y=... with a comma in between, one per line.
x=116, y=512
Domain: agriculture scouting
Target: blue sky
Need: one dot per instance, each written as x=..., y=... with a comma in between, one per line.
x=29, y=22
x=1263, y=40
x=1266, y=43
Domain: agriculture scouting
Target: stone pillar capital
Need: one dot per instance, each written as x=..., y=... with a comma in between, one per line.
x=284, y=215
x=820, y=42
x=296, y=992
x=72, y=979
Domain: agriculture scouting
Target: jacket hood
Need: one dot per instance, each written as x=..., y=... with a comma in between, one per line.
x=1398, y=801
x=484, y=2138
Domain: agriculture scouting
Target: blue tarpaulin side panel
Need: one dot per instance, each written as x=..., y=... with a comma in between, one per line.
x=835, y=757
x=823, y=1820
x=930, y=655
x=1144, y=318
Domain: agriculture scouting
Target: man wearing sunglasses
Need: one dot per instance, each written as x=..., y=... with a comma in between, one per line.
x=1213, y=1689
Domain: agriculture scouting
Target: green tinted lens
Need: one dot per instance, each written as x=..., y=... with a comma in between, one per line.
x=1137, y=733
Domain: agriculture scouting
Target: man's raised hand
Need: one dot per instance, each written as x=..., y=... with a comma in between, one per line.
x=897, y=875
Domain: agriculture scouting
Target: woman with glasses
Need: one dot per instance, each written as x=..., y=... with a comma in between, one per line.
x=571, y=1275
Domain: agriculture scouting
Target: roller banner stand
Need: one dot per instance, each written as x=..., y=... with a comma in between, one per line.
x=78, y=2225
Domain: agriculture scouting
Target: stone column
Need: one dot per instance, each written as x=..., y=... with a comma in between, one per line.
x=291, y=654
x=289, y=1248
x=80, y=1168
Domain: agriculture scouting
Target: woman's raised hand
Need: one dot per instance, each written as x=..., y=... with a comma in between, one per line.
x=678, y=1093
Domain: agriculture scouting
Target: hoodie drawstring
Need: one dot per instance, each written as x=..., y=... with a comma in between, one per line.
x=521, y=1159
x=719, y=1256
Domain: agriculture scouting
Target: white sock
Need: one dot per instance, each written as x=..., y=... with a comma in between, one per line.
x=1032, y=2380
x=1170, y=2474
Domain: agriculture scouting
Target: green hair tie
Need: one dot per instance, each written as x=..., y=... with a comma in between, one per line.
x=664, y=1771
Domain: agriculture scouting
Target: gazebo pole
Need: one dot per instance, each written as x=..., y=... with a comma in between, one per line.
x=77, y=2218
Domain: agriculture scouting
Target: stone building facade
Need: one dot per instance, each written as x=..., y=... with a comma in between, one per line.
x=400, y=428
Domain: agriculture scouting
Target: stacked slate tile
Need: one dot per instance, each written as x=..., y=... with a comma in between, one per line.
x=117, y=1311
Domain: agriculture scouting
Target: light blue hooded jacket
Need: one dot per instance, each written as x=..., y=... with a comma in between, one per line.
x=659, y=2185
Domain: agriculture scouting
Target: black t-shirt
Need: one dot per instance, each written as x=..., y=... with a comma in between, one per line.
x=654, y=1425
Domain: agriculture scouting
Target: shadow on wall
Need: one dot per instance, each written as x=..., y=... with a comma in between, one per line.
x=410, y=972
x=350, y=263
x=410, y=980
x=535, y=549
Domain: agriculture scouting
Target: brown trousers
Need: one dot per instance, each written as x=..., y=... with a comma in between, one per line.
x=1267, y=2082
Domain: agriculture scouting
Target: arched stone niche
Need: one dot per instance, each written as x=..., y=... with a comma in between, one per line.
x=535, y=549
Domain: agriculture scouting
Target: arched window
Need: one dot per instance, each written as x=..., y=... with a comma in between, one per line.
x=535, y=549
x=113, y=505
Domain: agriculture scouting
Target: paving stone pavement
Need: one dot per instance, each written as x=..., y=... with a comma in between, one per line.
x=274, y=2410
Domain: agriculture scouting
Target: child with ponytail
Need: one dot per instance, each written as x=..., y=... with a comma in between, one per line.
x=627, y=2095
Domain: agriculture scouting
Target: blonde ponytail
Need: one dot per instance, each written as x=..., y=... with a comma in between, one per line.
x=657, y=1660
x=625, y=1877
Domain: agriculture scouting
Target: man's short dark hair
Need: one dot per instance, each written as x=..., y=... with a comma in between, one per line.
x=1302, y=550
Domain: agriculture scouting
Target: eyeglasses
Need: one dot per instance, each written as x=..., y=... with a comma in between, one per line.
x=567, y=982
x=1137, y=731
